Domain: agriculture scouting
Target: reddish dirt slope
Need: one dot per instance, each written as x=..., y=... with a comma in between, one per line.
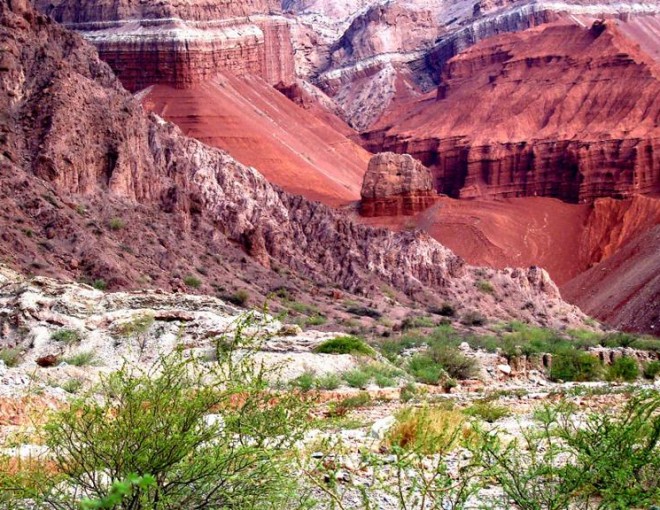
x=504, y=233
x=604, y=256
x=624, y=290
x=260, y=127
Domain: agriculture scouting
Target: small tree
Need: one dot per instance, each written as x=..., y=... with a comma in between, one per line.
x=207, y=436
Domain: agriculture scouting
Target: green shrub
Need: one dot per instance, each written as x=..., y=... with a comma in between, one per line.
x=305, y=381
x=428, y=430
x=484, y=286
x=394, y=347
x=383, y=381
x=66, y=336
x=316, y=320
x=192, y=281
x=156, y=421
x=454, y=362
x=647, y=343
x=357, y=378
x=81, y=359
x=473, y=318
x=652, y=370
x=239, y=298
x=344, y=345
x=116, y=224
x=137, y=326
x=328, y=382
x=363, y=311
x=100, y=284
x=408, y=392
x=417, y=322
x=72, y=385
x=573, y=365
x=425, y=370
x=445, y=310
x=623, y=369
x=341, y=408
x=619, y=339
x=610, y=461
x=11, y=357
x=487, y=411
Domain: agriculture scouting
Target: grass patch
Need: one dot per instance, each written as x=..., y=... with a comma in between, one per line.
x=11, y=357
x=82, y=359
x=623, y=369
x=484, y=286
x=116, y=224
x=357, y=378
x=574, y=365
x=328, y=382
x=487, y=411
x=66, y=336
x=342, y=408
x=651, y=370
x=427, y=430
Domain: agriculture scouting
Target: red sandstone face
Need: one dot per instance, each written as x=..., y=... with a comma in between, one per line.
x=545, y=112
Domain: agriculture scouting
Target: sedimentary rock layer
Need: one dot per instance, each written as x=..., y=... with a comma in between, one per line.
x=183, y=43
x=195, y=196
x=545, y=112
x=396, y=185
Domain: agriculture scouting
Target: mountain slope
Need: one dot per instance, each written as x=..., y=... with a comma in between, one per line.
x=128, y=196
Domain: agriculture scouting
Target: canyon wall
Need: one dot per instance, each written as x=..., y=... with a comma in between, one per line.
x=183, y=43
x=495, y=129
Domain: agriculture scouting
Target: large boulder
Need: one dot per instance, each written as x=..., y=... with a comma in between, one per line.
x=396, y=185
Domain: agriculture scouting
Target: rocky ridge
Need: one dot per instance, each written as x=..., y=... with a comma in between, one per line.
x=145, y=167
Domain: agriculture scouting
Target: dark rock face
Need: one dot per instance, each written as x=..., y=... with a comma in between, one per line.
x=396, y=185
x=182, y=44
x=184, y=202
x=496, y=129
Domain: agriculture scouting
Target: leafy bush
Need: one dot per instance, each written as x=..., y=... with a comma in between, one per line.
x=408, y=392
x=425, y=370
x=72, y=385
x=623, y=369
x=417, y=322
x=573, y=365
x=344, y=345
x=357, y=378
x=606, y=461
x=100, y=284
x=11, y=357
x=487, y=411
x=394, y=347
x=316, y=320
x=66, y=336
x=454, y=362
x=192, y=281
x=652, y=370
x=156, y=421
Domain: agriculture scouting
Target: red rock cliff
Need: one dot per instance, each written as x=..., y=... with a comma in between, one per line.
x=183, y=43
x=544, y=112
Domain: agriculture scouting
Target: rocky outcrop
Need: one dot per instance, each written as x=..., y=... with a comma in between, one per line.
x=496, y=129
x=396, y=185
x=183, y=44
x=185, y=203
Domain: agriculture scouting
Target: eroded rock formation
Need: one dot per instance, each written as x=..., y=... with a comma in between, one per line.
x=183, y=43
x=495, y=129
x=184, y=202
x=396, y=185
